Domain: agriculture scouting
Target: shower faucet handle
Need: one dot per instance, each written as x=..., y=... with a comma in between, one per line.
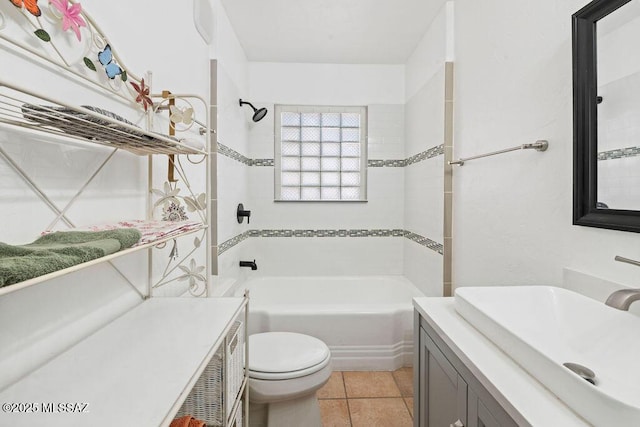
x=241, y=214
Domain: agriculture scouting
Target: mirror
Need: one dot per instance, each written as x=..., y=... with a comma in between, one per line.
x=606, y=83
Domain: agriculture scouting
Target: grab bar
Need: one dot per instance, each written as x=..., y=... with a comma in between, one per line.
x=540, y=145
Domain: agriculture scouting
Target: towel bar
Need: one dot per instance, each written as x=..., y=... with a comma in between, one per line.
x=540, y=145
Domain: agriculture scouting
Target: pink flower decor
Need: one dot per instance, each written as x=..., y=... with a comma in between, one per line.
x=71, y=15
x=143, y=94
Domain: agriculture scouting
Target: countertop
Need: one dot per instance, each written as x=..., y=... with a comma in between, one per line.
x=135, y=371
x=496, y=371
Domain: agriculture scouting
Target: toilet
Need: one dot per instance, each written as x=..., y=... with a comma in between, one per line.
x=285, y=371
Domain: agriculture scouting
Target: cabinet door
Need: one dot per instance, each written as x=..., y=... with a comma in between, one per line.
x=479, y=415
x=447, y=393
x=443, y=393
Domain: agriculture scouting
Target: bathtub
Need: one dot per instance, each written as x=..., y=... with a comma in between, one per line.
x=367, y=322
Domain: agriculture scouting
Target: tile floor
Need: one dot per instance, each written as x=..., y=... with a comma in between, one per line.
x=368, y=399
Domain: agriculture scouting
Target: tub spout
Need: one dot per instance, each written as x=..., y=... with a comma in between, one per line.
x=251, y=264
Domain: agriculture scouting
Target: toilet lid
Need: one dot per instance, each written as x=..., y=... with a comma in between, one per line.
x=285, y=354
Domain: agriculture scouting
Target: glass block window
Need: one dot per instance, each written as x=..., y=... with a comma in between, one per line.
x=320, y=153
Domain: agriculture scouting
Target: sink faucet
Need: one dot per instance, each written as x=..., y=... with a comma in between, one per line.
x=623, y=298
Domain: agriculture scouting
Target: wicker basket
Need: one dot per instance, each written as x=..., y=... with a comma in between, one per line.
x=206, y=399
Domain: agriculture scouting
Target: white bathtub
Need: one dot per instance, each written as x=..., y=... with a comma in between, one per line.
x=367, y=322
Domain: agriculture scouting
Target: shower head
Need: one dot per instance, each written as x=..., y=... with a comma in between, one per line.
x=258, y=114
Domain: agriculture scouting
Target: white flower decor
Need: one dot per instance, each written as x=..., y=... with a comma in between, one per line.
x=193, y=274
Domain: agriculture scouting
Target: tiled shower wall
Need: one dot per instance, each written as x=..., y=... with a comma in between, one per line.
x=619, y=86
x=427, y=75
x=352, y=238
x=231, y=184
x=618, y=147
x=399, y=230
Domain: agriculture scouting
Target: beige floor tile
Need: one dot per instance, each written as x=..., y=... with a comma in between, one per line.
x=404, y=379
x=334, y=413
x=370, y=384
x=334, y=388
x=390, y=412
x=409, y=402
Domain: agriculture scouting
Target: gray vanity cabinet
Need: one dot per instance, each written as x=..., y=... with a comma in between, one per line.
x=447, y=393
x=442, y=390
x=479, y=415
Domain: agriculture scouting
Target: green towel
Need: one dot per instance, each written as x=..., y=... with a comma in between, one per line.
x=63, y=249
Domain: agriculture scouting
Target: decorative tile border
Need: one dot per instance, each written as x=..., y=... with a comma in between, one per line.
x=399, y=163
x=228, y=244
x=387, y=163
x=262, y=162
x=424, y=241
x=327, y=233
x=430, y=153
x=619, y=153
x=233, y=154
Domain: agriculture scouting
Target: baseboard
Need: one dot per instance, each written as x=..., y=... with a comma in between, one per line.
x=372, y=358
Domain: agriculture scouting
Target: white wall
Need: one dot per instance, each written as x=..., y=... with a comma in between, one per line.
x=381, y=89
x=512, y=213
x=327, y=84
x=430, y=53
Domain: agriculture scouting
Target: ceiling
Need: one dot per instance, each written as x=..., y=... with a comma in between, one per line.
x=331, y=31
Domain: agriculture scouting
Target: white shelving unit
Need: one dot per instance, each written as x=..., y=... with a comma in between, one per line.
x=108, y=258
x=139, y=368
x=23, y=109
x=136, y=371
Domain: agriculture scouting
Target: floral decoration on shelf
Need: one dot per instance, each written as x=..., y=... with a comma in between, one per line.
x=171, y=202
x=72, y=40
x=193, y=274
x=174, y=212
x=143, y=94
x=174, y=207
x=71, y=16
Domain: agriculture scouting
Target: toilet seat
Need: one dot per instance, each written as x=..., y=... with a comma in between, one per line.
x=286, y=355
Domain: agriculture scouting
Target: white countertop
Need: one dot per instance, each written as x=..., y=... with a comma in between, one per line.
x=135, y=371
x=529, y=397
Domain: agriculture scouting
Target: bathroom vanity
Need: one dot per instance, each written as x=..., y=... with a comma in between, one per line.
x=462, y=379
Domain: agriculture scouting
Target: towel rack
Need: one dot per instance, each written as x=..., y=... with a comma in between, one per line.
x=540, y=145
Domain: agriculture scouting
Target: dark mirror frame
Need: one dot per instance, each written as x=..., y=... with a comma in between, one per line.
x=585, y=124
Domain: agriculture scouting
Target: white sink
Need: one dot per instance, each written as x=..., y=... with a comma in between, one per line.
x=542, y=327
